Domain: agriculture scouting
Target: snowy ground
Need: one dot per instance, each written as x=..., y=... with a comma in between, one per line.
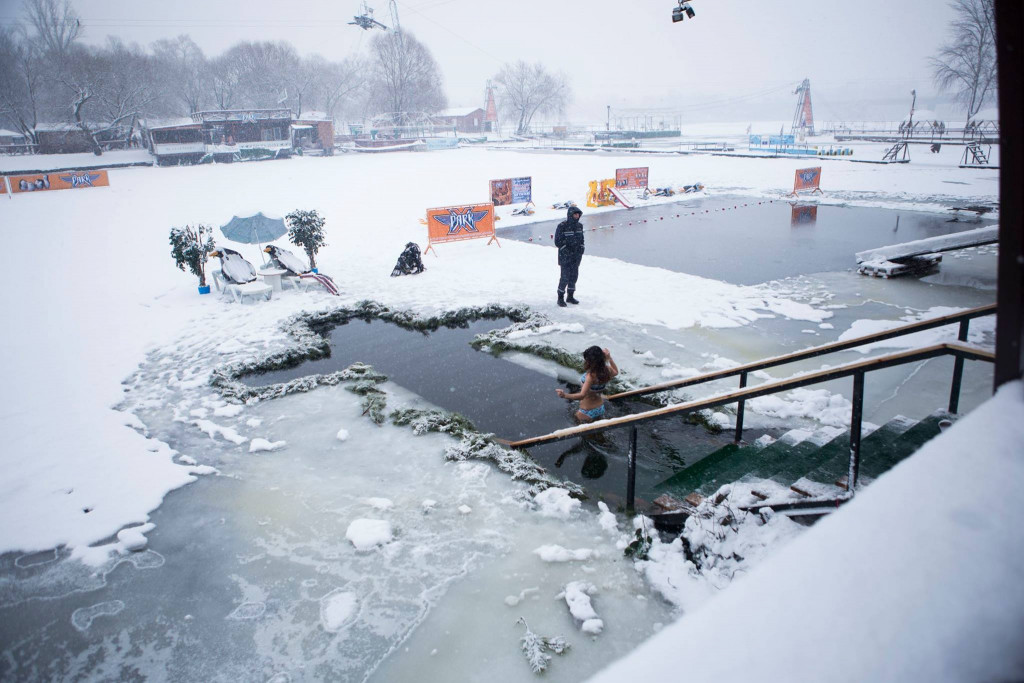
x=93, y=299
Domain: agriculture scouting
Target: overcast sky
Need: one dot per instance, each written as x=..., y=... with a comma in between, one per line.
x=736, y=60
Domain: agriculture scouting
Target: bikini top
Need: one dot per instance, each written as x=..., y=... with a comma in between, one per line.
x=596, y=388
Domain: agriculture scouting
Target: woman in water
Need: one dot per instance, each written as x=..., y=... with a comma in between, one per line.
x=598, y=369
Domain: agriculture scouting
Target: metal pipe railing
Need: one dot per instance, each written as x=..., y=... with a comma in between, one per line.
x=856, y=369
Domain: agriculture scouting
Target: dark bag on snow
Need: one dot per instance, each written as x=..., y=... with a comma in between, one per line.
x=409, y=262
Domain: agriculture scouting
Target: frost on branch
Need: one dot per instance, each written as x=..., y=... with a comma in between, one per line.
x=535, y=647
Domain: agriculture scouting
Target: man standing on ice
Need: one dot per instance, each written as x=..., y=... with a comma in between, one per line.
x=569, y=240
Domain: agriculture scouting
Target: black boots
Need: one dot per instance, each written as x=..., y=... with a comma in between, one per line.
x=561, y=299
x=571, y=299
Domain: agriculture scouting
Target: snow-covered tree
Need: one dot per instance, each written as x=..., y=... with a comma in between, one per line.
x=21, y=82
x=967, y=64
x=306, y=230
x=190, y=248
x=525, y=90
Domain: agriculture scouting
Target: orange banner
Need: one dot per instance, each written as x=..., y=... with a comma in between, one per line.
x=629, y=178
x=466, y=222
x=807, y=179
x=58, y=180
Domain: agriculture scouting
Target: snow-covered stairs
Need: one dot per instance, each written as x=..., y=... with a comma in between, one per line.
x=806, y=467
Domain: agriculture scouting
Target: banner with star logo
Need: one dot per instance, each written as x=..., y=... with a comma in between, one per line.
x=58, y=180
x=454, y=223
x=807, y=179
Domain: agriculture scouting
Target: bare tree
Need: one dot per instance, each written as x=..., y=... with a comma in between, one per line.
x=258, y=74
x=21, y=82
x=404, y=77
x=335, y=82
x=184, y=72
x=526, y=90
x=967, y=64
x=110, y=90
x=56, y=24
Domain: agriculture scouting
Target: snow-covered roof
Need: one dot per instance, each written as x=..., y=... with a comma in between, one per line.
x=4, y=133
x=459, y=111
x=314, y=116
x=172, y=122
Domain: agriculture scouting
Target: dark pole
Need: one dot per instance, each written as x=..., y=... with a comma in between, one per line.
x=1010, y=285
x=739, y=409
x=958, y=371
x=631, y=476
x=855, y=430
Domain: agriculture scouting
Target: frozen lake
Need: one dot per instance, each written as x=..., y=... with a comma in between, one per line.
x=746, y=241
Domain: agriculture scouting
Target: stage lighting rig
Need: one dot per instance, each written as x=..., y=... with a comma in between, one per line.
x=681, y=11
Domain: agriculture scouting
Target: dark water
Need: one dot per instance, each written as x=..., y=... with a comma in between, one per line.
x=752, y=243
x=510, y=401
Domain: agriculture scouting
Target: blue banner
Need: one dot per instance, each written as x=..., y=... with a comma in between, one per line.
x=522, y=190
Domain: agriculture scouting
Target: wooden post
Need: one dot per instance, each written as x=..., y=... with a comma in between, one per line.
x=958, y=371
x=631, y=475
x=739, y=409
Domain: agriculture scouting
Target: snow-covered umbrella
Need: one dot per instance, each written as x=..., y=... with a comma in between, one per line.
x=255, y=229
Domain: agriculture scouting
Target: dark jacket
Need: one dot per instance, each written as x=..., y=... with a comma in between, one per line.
x=569, y=238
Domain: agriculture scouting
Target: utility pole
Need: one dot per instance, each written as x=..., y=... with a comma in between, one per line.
x=608, y=122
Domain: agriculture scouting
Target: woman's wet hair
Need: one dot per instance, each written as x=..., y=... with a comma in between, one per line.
x=593, y=361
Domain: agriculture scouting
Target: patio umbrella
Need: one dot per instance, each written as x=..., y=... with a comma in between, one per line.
x=255, y=229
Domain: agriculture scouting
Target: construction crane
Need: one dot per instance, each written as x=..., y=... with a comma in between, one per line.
x=366, y=20
x=803, y=118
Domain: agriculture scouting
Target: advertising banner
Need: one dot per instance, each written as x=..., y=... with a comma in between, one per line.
x=511, y=191
x=58, y=180
x=454, y=223
x=628, y=178
x=803, y=214
x=807, y=179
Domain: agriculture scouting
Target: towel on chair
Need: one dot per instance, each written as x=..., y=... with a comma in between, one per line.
x=325, y=280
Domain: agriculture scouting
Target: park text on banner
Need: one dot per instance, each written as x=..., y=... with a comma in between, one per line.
x=58, y=180
x=455, y=223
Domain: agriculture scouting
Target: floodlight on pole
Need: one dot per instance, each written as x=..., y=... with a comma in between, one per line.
x=682, y=11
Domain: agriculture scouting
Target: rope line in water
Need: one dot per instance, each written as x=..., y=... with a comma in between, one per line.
x=661, y=218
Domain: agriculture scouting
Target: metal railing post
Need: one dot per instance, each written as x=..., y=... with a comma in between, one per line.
x=739, y=409
x=958, y=371
x=856, y=421
x=631, y=475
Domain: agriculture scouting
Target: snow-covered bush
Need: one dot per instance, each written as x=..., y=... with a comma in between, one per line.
x=189, y=248
x=306, y=230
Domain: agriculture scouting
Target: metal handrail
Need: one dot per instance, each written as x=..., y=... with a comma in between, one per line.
x=960, y=350
x=812, y=352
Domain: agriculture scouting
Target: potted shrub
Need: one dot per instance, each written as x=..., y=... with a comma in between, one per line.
x=190, y=247
x=306, y=230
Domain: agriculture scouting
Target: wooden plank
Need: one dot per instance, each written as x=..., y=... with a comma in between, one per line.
x=877, y=363
x=811, y=352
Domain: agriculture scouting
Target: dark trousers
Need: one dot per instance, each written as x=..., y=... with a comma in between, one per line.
x=570, y=271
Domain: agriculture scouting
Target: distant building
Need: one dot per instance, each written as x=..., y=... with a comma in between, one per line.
x=13, y=142
x=465, y=119
x=237, y=135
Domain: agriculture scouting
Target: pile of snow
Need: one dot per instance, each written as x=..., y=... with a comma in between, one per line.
x=367, y=534
x=556, y=553
x=577, y=597
x=556, y=502
x=257, y=445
